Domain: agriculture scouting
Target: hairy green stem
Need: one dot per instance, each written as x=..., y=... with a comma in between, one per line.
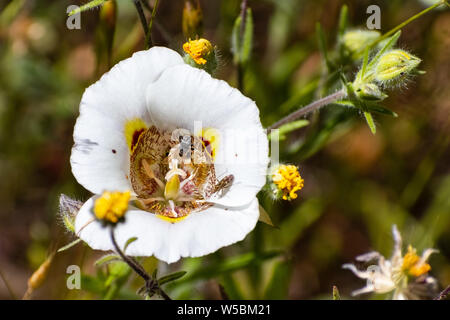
x=309, y=108
x=149, y=281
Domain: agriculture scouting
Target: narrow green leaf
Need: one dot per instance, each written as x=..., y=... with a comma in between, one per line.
x=370, y=122
x=241, y=44
x=155, y=273
x=90, y=5
x=235, y=41
x=107, y=259
x=9, y=12
x=129, y=241
x=346, y=103
x=289, y=127
x=278, y=286
x=390, y=42
x=70, y=245
x=264, y=216
x=343, y=21
x=247, y=41
x=323, y=46
x=362, y=73
x=171, y=277
x=374, y=107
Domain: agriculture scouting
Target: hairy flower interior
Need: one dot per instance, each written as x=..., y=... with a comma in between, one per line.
x=173, y=173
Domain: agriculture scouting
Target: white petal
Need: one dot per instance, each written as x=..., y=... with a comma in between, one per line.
x=369, y=256
x=189, y=98
x=358, y=273
x=106, y=105
x=426, y=254
x=397, y=254
x=366, y=289
x=199, y=234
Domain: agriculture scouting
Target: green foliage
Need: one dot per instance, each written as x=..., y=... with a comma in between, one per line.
x=171, y=277
x=88, y=6
x=278, y=286
x=242, y=38
x=70, y=245
x=287, y=128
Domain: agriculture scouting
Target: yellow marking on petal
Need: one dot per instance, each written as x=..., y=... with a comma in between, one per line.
x=210, y=139
x=288, y=180
x=133, y=130
x=172, y=188
x=173, y=220
x=412, y=264
x=198, y=50
x=112, y=206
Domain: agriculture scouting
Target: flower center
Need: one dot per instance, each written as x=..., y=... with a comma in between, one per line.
x=173, y=174
x=413, y=265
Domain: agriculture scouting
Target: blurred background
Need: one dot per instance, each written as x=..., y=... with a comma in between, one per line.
x=356, y=184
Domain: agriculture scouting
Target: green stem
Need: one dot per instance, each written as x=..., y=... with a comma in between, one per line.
x=138, y=5
x=309, y=108
x=404, y=23
x=149, y=281
x=149, y=39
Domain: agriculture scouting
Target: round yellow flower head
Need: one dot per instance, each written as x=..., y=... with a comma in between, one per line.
x=111, y=206
x=288, y=181
x=198, y=50
x=413, y=265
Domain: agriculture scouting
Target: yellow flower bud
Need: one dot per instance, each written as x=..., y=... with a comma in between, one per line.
x=355, y=41
x=201, y=54
x=111, y=206
x=394, y=65
x=199, y=50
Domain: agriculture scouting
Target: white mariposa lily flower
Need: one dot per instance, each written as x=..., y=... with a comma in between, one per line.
x=190, y=148
x=405, y=275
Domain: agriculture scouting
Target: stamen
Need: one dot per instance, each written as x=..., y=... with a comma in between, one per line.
x=172, y=207
x=174, y=170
